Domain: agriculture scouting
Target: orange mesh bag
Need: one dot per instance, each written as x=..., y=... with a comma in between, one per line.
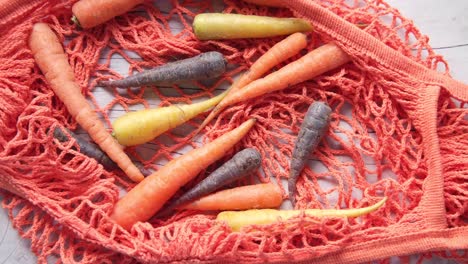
x=400, y=114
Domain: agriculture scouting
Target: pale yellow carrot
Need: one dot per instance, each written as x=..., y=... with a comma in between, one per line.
x=139, y=127
x=238, y=219
x=210, y=26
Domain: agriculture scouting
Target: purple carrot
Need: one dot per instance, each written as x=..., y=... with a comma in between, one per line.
x=204, y=66
x=92, y=150
x=313, y=128
x=240, y=165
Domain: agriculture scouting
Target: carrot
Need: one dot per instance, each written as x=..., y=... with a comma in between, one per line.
x=53, y=62
x=142, y=126
x=212, y=26
x=264, y=195
x=90, y=13
x=92, y=150
x=280, y=52
x=148, y=196
x=313, y=128
x=239, y=219
x=314, y=63
x=240, y=165
x=204, y=66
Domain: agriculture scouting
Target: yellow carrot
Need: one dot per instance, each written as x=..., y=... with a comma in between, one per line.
x=238, y=219
x=142, y=126
x=235, y=26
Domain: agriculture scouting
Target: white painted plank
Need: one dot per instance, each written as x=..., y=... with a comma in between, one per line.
x=446, y=25
x=457, y=59
x=445, y=22
x=13, y=249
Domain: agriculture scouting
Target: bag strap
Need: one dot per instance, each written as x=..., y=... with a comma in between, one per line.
x=14, y=12
x=356, y=41
x=406, y=243
x=432, y=203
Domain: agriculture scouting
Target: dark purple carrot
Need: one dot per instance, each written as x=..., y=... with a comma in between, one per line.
x=204, y=66
x=312, y=130
x=92, y=150
x=240, y=165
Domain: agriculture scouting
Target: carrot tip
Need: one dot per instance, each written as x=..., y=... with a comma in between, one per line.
x=75, y=21
x=207, y=120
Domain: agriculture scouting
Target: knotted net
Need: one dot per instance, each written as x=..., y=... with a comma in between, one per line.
x=399, y=129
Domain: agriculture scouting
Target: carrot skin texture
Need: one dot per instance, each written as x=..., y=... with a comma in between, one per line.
x=311, y=65
x=139, y=127
x=204, y=66
x=214, y=26
x=239, y=219
x=280, y=52
x=53, y=62
x=147, y=197
x=90, y=13
x=313, y=128
x=264, y=195
x=240, y=165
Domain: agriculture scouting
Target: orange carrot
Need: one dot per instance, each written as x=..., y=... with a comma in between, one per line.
x=53, y=62
x=265, y=195
x=280, y=52
x=149, y=196
x=239, y=166
x=314, y=63
x=271, y=3
x=90, y=13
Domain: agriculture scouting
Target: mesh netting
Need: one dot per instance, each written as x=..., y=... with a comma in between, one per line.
x=374, y=147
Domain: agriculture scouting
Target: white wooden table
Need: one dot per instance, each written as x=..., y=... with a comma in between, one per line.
x=446, y=24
